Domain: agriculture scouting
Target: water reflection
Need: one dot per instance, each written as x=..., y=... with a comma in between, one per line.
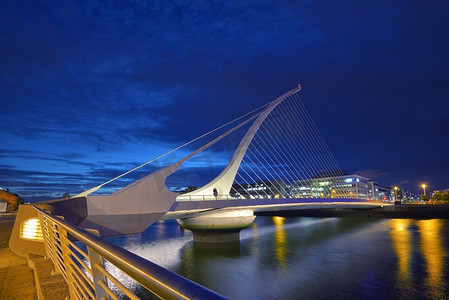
x=401, y=243
x=280, y=244
x=134, y=239
x=433, y=252
x=311, y=258
x=255, y=238
x=160, y=229
x=428, y=238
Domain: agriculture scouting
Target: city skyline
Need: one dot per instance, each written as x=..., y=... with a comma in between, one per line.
x=90, y=91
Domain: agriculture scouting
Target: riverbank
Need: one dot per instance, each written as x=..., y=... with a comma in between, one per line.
x=404, y=211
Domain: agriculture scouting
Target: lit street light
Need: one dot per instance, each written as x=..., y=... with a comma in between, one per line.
x=395, y=195
x=424, y=188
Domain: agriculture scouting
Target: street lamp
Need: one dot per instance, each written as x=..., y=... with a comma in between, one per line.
x=424, y=188
x=395, y=194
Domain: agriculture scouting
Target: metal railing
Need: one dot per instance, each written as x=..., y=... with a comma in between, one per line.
x=185, y=197
x=88, y=277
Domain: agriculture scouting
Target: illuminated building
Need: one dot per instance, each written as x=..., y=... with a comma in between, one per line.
x=346, y=186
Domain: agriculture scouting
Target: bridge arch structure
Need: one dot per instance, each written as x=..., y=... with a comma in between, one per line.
x=273, y=167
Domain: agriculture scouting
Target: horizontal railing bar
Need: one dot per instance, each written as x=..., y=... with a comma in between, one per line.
x=162, y=282
x=82, y=285
x=116, y=282
x=59, y=255
x=77, y=290
x=78, y=249
x=80, y=261
x=56, y=237
x=52, y=255
x=81, y=274
x=64, y=275
x=58, y=250
x=60, y=263
x=47, y=241
x=107, y=290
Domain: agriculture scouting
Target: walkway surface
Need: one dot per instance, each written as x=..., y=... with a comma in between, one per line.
x=16, y=278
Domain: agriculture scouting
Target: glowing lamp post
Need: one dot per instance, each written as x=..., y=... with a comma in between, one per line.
x=395, y=195
x=424, y=188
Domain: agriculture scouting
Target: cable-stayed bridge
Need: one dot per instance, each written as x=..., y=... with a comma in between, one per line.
x=281, y=163
x=275, y=167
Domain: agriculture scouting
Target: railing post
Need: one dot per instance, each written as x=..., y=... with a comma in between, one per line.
x=96, y=259
x=44, y=229
x=66, y=253
x=154, y=278
x=54, y=251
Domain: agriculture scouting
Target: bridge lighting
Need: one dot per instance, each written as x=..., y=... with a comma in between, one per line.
x=31, y=230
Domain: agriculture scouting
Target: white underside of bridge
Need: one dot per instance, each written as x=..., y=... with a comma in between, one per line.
x=245, y=210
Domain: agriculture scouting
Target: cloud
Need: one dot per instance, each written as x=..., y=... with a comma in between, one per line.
x=86, y=85
x=372, y=173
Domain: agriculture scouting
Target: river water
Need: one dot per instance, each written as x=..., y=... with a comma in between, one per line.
x=309, y=258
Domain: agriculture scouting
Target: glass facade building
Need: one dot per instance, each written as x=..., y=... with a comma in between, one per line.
x=346, y=186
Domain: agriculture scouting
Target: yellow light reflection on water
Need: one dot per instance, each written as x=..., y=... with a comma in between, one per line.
x=280, y=244
x=255, y=238
x=401, y=243
x=433, y=252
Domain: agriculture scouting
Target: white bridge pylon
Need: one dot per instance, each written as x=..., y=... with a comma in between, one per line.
x=222, y=184
x=281, y=156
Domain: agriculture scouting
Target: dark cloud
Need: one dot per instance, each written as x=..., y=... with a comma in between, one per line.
x=89, y=87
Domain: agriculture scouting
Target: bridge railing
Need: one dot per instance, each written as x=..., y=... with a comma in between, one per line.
x=185, y=197
x=89, y=276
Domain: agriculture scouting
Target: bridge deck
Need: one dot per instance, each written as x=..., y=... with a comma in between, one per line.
x=191, y=208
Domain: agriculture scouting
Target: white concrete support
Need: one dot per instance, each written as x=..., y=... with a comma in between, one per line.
x=220, y=227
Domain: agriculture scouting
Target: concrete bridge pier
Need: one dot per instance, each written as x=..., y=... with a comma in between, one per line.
x=218, y=227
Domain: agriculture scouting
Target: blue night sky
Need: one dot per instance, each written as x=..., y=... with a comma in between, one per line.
x=89, y=90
